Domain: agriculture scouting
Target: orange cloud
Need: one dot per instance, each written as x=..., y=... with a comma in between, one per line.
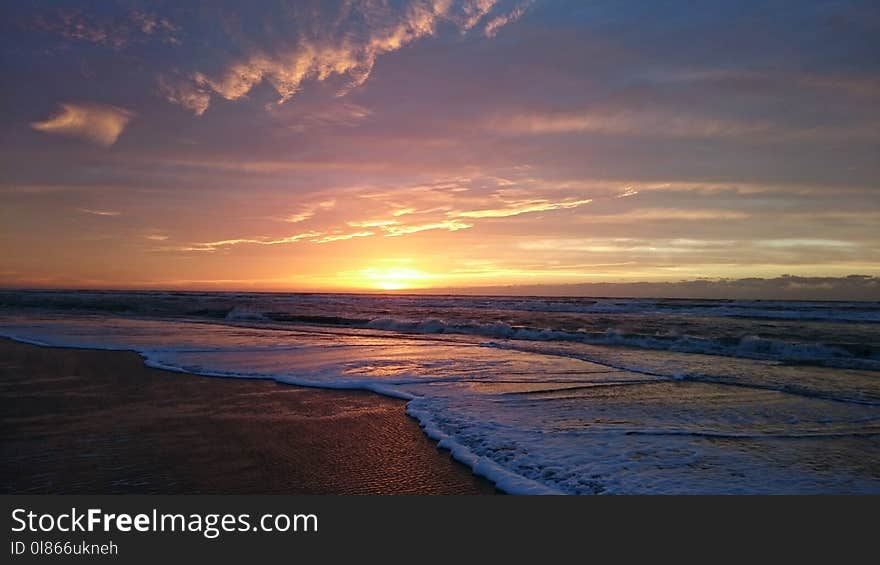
x=473, y=12
x=515, y=209
x=448, y=225
x=342, y=236
x=210, y=246
x=373, y=223
x=185, y=94
x=97, y=123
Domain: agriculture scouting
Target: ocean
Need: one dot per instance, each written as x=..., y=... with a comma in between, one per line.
x=540, y=395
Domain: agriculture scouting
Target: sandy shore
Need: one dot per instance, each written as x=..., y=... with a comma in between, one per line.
x=82, y=422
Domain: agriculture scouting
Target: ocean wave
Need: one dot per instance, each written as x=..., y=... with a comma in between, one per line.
x=858, y=312
x=219, y=304
x=666, y=432
x=748, y=346
x=243, y=314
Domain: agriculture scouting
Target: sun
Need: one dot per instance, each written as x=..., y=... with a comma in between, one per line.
x=394, y=278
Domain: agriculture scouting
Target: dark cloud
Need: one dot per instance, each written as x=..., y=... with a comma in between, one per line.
x=117, y=29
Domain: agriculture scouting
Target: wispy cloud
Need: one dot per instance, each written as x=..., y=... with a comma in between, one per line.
x=373, y=223
x=309, y=210
x=97, y=123
x=517, y=208
x=325, y=113
x=496, y=23
x=211, y=246
x=311, y=236
x=117, y=32
x=448, y=225
x=390, y=228
x=669, y=214
x=625, y=245
x=153, y=24
x=342, y=236
x=808, y=242
x=94, y=212
x=407, y=211
x=675, y=124
x=74, y=25
x=628, y=122
x=743, y=80
x=243, y=165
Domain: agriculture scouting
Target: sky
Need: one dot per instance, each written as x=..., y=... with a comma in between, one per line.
x=412, y=144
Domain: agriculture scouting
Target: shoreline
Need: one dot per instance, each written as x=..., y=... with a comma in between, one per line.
x=87, y=421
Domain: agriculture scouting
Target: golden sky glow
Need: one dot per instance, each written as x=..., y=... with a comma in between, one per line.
x=455, y=143
x=392, y=278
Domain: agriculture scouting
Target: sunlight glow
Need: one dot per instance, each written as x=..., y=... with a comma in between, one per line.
x=394, y=278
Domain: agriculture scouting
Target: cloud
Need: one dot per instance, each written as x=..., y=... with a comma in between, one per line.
x=237, y=164
x=210, y=246
x=346, y=48
x=309, y=211
x=669, y=214
x=624, y=245
x=809, y=242
x=334, y=112
x=517, y=208
x=389, y=227
x=96, y=123
x=342, y=236
x=473, y=12
x=76, y=26
x=845, y=85
x=116, y=32
x=151, y=24
x=496, y=23
x=448, y=225
x=373, y=223
x=99, y=212
x=404, y=211
x=184, y=94
x=672, y=123
x=629, y=122
x=311, y=236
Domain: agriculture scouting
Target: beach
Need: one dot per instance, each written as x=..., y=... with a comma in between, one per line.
x=81, y=421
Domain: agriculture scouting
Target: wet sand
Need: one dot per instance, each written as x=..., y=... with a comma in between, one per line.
x=100, y=422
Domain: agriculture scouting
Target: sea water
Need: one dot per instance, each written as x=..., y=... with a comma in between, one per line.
x=541, y=395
